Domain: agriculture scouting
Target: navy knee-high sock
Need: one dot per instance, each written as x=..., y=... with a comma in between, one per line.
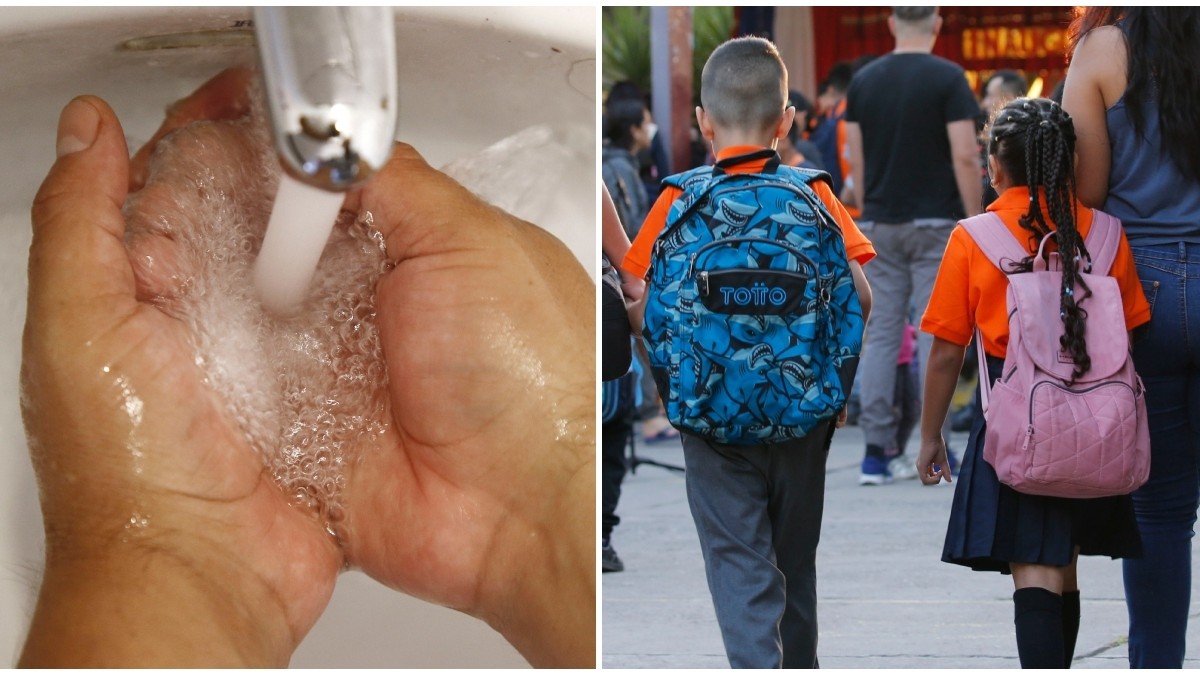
x=1070, y=624
x=1038, y=616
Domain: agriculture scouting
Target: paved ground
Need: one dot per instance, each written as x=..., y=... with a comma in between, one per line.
x=886, y=601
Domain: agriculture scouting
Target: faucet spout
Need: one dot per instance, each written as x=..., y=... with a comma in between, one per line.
x=330, y=79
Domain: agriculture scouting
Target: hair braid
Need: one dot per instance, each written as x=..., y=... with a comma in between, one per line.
x=1034, y=140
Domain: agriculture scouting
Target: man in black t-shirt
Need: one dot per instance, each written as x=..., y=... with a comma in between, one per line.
x=910, y=128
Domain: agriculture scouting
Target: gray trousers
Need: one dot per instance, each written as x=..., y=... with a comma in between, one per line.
x=901, y=276
x=758, y=513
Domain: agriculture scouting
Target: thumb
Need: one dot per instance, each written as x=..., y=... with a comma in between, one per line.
x=420, y=210
x=77, y=261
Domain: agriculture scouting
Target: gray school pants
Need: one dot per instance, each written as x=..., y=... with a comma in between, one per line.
x=758, y=513
x=907, y=258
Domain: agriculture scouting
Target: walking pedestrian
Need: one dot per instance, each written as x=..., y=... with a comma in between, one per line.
x=910, y=127
x=1036, y=539
x=757, y=507
x=1133, y=89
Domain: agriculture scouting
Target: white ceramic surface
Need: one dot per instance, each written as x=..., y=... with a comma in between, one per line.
x=468, y=78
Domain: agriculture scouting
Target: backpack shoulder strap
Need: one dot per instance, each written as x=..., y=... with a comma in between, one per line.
x=1102, y=241
x=805, y=178
x=998, y=245
x=994, y=239
x=801, y=175
x=683, y=180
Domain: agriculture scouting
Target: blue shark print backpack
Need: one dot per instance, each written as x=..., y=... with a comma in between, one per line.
x=752, y=324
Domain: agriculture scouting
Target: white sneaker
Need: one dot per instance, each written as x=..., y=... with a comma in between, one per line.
x=902, y=468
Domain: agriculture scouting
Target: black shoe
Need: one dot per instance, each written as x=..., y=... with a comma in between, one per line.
x=609, y=560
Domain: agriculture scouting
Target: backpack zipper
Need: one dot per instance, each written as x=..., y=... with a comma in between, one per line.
x=1039, y=385
x=791, y=248
x=702, y=280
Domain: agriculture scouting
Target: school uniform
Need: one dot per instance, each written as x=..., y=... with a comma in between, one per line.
x=991, y=525
x=758, y=508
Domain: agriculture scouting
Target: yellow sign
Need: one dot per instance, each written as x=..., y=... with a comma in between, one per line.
x=986, y=44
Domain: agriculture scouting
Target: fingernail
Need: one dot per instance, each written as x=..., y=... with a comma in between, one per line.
x=77, y=127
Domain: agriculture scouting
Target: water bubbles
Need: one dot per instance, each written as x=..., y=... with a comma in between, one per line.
x=137, y=521
x=305, y=389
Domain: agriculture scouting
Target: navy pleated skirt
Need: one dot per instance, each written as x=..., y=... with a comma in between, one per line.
x=992, y=525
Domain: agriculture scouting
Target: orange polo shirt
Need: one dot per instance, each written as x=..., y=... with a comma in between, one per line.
x=969, y=289
x=637, y=260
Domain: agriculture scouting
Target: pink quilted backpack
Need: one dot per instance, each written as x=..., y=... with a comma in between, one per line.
x=1046, y=437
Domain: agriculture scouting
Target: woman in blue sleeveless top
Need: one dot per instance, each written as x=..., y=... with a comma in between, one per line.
x=1133, y=89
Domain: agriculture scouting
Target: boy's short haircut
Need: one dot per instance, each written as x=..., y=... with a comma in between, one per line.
x=744, y=85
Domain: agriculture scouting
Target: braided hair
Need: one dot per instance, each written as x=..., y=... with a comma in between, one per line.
x=1034, y=140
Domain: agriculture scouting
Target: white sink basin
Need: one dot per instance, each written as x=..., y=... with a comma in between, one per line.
x=468, y=78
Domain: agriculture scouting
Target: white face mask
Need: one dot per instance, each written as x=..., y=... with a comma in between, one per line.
x=651, y=129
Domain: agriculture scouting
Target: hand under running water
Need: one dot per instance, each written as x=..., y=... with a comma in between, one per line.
x=480, y=496
x=167, y=544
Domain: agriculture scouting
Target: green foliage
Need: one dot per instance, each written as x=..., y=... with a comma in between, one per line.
x=626, y=45
x=711, y=26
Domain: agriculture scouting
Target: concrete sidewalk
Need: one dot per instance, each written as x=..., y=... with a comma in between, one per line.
x=885, y=599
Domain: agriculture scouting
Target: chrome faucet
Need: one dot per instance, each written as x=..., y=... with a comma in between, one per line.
x=330, y=79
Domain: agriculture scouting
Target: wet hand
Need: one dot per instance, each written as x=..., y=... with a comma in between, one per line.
x=481, y=496
x=151, y=498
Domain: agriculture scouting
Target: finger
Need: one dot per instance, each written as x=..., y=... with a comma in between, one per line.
x=927, y=469
x=77, y=259
x=421, y=210
x=942, y=466
x=926, y=473
x=165, y=213
x=224, y=97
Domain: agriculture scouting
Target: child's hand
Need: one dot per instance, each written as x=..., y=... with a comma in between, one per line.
x=637, y=312
x=633, y=287
x=933, y=453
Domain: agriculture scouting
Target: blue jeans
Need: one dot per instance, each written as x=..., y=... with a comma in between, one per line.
x=1166, y=353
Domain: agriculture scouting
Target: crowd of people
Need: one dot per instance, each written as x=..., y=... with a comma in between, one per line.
x=908, y=152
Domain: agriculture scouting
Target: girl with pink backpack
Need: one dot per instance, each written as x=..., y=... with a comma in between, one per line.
x=993, y=527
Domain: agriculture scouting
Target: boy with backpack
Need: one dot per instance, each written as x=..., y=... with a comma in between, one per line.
x=754, y=313
x=1048, y=469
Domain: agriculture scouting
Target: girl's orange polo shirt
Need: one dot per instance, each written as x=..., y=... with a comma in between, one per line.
x=969, y=289
x=637, y=260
